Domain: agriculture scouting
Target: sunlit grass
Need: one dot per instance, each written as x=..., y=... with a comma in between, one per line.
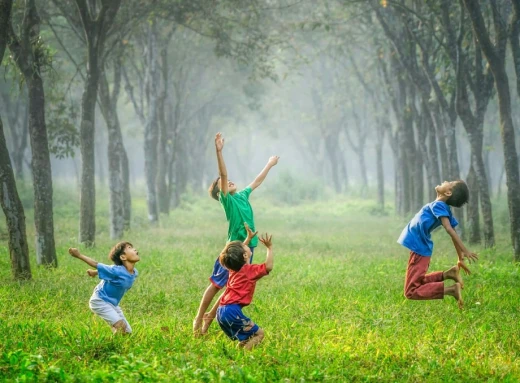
x=332, y=309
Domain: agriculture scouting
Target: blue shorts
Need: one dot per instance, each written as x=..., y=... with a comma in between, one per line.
x=220, y=273
x=234, y=323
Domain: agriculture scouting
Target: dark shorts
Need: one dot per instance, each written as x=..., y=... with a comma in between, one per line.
x=235, y=324
x=220, y=273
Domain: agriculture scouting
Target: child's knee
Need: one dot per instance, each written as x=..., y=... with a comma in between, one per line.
x=259, y=334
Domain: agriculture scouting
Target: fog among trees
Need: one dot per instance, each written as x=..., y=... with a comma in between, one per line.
x=376, y=99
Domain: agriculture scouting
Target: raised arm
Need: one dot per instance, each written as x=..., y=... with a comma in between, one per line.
x=266, y=239
x=250, y=234
x=76, y=254
x=273, y=160
x=222, y=171
x=462, y=252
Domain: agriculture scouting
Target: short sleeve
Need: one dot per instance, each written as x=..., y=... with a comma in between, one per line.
x=453, y=221
x=246, y=192
x=440, y=209
x=106, y=272
x=257, y=271
x=224, y=199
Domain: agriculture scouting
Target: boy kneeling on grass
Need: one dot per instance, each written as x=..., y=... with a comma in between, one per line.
x=240, y=289
x=416, y=236
x=116, y=280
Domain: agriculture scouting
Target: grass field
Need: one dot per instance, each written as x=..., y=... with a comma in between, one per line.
x=332, y=309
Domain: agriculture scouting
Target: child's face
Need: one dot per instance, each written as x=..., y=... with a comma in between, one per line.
x=232, y=188
x=130, y=254
x=444, y=188
x=247, y=253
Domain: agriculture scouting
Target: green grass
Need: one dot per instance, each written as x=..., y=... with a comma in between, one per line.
x=332, y=309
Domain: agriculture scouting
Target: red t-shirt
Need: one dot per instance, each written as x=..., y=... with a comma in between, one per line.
x=241, y=284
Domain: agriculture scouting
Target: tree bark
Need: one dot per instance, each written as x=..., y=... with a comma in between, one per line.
x=151, y=128
x=28, y=56
x=472, y=208
x=496, y=62
x=95, y=27
x=9, y=199
x=116, y=151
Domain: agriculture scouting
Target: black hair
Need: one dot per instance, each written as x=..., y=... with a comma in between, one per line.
x=232, y=257
x=214, y=189
x=459, y=194
x=117, y=251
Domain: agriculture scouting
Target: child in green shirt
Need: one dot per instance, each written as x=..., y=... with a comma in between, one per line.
x=239, y=214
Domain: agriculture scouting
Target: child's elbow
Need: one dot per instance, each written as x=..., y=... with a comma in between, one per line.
x=268, y=268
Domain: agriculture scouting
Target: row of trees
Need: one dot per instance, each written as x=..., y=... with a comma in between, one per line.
x=150, y=49
x=407, y=75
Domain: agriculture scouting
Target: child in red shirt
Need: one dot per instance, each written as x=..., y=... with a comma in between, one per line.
x=240, y=289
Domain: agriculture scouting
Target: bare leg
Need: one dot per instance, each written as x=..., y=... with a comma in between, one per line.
x=208, y=317
x=208, y=296
x=253, y=341
x=456, y=292
x=454, y=274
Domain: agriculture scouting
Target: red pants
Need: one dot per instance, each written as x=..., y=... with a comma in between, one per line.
x=418, y=284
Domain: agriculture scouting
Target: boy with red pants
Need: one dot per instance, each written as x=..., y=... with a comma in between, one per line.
x=416, y=236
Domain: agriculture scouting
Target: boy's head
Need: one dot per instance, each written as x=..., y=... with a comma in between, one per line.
x=235, y=255
x=216, y=185
x=456, y=191
x=123, y=251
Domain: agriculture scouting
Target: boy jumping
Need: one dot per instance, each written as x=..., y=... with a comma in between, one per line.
x=238, y=211
x=240, y=289
x=416, y=236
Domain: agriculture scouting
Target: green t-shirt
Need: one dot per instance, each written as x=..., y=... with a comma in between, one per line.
x=238, y=210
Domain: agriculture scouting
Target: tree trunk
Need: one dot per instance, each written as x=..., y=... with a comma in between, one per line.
x=127, y=197
x=380, y=176
x=476, y=141
x=472, y=207
x=151, y=129
x=28, y=60
x=497, y=64
x=511, y=157
x=115, y=151
x=42, y=175
x=9, y=199
x=12, y=207
x=87, y=218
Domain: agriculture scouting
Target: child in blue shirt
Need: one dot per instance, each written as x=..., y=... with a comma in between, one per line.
x=416, y=236
x=116, y=280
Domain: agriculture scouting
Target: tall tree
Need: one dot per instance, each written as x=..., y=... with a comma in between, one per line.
x=29, y=54
x=9, y=199
x=495, y=55
x=93, y=23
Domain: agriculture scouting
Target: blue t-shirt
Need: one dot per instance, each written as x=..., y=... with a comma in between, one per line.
x=115, y=282
x=416, y=236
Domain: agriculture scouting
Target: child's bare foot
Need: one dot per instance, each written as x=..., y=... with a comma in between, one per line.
x=454, y=274
x=197, y=325
x=456, y=292
x=206, y=322
x=458, y=295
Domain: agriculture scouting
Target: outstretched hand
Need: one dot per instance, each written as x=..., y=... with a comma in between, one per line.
x=250, y=233
x=471, y=257
x=273, y=160
x=74, y=252
x=219, y=141
x=267, y=240
x=462, y=265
